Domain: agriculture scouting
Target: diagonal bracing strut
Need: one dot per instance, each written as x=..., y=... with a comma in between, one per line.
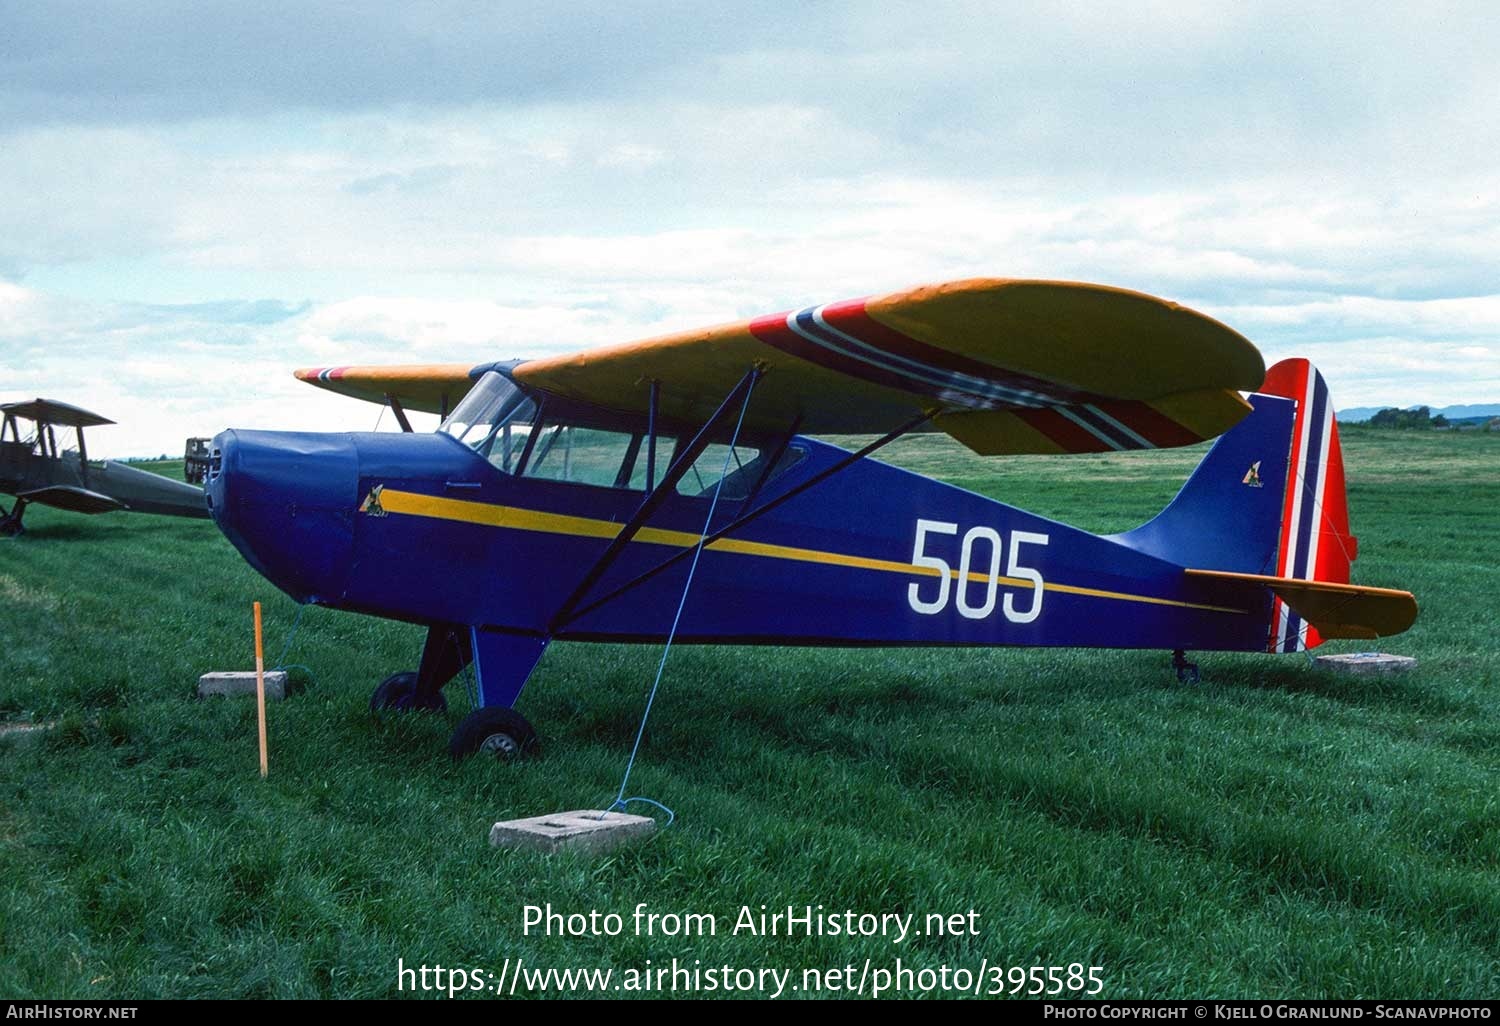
x=561, y=621
x=657, y=495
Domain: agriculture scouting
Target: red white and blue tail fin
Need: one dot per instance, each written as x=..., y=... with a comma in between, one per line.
x=1265, y=512
x=1315, y=541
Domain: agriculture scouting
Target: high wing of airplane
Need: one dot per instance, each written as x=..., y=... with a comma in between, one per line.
x=672, y=489
x=35, y=470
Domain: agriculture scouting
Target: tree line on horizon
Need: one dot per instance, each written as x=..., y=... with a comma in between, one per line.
x=1418, y=417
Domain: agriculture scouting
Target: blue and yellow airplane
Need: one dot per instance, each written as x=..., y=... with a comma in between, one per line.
x=571, y=498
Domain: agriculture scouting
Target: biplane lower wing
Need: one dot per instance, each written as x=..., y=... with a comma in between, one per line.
x=72, y=498
x=1334, y=610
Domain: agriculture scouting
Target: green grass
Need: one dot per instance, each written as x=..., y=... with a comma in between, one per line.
x=1276, y=831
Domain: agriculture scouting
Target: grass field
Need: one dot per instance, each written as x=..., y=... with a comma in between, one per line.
x=1276, y=831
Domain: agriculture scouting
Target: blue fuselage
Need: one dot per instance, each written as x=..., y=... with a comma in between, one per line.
x=420, y=528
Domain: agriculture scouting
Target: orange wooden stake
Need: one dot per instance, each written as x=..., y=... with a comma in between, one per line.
x=260, y=693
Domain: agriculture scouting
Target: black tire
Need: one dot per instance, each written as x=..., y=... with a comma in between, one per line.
x=499, y=732
x=398, y=692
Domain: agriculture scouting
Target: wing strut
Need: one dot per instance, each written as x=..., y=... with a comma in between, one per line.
x=560, y=621
x=685, y=459
x=400, y=411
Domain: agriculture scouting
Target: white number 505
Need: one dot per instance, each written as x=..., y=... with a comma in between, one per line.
x=1013, y=570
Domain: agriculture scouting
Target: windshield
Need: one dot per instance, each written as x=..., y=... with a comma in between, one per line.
x=494, y=410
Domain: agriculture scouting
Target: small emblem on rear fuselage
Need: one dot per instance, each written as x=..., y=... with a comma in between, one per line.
x=1252, y=476
x=371, y=505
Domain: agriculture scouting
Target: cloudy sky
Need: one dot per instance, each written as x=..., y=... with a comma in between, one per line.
x=197, y=197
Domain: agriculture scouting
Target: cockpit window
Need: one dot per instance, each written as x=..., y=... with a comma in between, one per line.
x=567, y=452
x=499, y=422
x=494, y=420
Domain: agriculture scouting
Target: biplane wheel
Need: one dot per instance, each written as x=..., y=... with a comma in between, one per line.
x=399, y=692
x=497, y=731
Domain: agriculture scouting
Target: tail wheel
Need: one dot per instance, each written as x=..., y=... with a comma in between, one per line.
x=1187, y=672
x=399, y=692
x=498, y=732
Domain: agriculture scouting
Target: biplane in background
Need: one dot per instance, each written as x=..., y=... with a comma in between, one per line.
x=563, y=498
x=35, y=470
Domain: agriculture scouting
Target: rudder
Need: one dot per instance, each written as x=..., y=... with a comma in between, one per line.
x=1315, y=543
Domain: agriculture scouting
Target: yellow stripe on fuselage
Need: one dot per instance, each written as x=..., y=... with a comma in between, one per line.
x=517, y=518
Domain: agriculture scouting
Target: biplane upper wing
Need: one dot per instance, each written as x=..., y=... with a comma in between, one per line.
x=1336, y=610
x=1004, y=366
x=428, y=387
x=50, y=411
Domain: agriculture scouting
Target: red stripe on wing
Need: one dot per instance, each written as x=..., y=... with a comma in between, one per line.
x=773, y=331
x=853, y=318
x=1063, y=431
x=1151, y=424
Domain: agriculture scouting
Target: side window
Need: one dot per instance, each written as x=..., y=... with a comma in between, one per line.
x=739, y=477
x=746, y=468
x=664, y=446
x=507, y=444
x=579, y=454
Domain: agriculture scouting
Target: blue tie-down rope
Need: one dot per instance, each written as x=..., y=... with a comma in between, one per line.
x=281, y=663
x=621, y=801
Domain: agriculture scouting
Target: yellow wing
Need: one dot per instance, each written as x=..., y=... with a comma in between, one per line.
x=1004, y=366
x=428, y=387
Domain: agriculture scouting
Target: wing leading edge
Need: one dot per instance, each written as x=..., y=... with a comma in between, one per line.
x=427, y=387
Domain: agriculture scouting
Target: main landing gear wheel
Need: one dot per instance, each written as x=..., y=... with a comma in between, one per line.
x=399, y=692
x=498, y=732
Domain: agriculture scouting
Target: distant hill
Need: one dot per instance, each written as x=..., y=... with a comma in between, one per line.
x=1453, y=413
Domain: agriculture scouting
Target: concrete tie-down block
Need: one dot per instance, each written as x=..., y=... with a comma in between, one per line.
x=241, y=682
x=1366, y=663
x=580, y=830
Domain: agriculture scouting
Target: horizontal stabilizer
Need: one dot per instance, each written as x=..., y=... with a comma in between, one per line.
x=1335, y=610
x=72, y=499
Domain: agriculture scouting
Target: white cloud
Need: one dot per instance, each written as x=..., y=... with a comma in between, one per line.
x=178, y=230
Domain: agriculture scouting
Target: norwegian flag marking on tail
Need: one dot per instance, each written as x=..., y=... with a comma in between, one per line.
x=1315, y=540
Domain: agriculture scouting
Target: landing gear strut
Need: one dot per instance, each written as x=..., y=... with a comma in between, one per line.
x=501, y=663
x=1187, y=672
x=399, y=692
x=10, y=523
